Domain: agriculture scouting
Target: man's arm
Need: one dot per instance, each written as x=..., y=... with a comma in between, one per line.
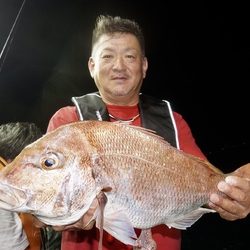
x=63, y=116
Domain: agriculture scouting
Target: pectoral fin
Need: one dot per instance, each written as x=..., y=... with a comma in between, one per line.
x=117, y=224
x=188, y=220
x=114, y=221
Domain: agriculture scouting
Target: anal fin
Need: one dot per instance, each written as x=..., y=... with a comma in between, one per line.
x=188, y=220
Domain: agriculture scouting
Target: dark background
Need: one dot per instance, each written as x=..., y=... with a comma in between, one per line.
x=198, y=56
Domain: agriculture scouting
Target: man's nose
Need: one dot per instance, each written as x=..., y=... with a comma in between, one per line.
x=119, y=63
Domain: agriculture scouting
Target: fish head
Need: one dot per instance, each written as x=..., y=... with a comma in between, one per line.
x=51, y=179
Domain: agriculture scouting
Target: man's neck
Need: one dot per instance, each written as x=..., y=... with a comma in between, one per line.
x=121, y=100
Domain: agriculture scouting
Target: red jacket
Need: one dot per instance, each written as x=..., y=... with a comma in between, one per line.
x=88, y=240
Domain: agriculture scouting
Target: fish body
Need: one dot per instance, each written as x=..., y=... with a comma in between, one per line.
x=146, y=181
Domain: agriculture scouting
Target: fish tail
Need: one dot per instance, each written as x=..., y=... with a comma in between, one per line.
x=243, y=171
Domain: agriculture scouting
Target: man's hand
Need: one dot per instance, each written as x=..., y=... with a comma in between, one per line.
x=235, y=204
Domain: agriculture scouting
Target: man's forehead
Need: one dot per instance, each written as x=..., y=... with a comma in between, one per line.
x=106, y=41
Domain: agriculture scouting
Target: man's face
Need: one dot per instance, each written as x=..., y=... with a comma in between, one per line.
x=118, y=66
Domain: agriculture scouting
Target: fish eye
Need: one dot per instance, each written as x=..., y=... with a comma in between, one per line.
x=50, y=161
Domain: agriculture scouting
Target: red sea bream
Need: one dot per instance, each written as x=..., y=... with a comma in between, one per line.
x=146, y=181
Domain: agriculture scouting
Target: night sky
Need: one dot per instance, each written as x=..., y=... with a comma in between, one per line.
x=198, y=57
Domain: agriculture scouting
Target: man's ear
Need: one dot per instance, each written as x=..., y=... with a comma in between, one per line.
x=145, y=66
x=91, y=65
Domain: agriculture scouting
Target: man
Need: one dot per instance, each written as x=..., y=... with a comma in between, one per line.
x=118, y=66
x=13, y=138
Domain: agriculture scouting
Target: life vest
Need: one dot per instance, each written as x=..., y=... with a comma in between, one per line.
x=156, y=114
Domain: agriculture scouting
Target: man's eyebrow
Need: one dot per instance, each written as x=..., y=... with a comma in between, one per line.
x=108, y=49
x=126, y=49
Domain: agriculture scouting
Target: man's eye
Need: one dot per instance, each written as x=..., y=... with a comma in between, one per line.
x=107, y=56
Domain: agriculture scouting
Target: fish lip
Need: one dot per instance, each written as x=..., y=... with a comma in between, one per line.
x=9, y=199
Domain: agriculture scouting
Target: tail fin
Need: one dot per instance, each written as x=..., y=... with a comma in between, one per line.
x=243, y=171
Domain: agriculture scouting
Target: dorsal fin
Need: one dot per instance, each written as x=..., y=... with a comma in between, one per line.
x=146, y=131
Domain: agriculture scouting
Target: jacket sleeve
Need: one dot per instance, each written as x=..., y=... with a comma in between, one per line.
x=63, y=116
x=186, y=140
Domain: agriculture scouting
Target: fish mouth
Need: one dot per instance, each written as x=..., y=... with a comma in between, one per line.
x=11, y=198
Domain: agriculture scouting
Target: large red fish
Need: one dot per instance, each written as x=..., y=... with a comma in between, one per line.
x=146, y=181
